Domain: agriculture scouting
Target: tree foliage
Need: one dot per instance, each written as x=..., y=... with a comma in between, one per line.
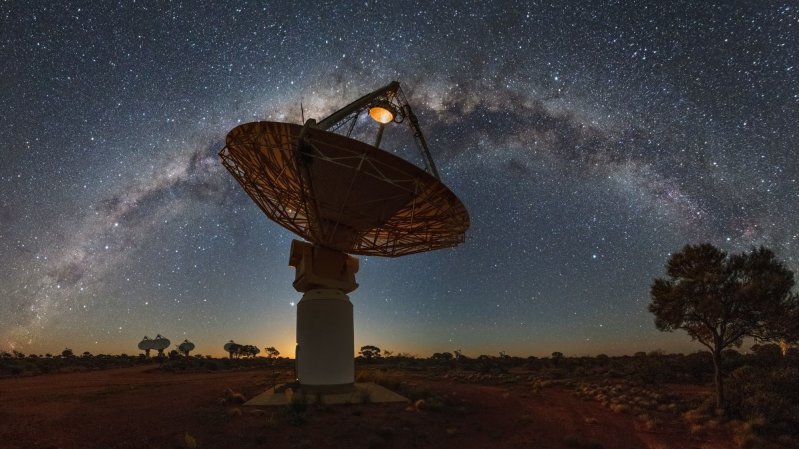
x=249, y=351
x=714, y=296
x=237, y=350
x=719, y=299
x=442, y=356
x=369, y=352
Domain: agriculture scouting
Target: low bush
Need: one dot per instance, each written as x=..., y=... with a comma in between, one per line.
x=771, y=395
x=295, y=410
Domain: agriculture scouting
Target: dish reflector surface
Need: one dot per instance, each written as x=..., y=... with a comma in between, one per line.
x=341, y=193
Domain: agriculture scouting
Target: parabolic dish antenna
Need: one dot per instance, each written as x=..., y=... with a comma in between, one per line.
x=231, y=347
x=146, y=344
x=341, y=193
x=160, y=343
x=345, y=197
x=186, y=347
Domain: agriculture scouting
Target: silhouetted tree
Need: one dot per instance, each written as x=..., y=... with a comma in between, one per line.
x=557, y=356
x=720, y=299
x=730, y=354
x=768, y=351
x=369, y=352
x=67, y=353
x=442, y=356
x=249, y=351
x=272, y=353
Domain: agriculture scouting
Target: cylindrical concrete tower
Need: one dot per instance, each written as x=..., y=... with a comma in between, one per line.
x=325, y=340
x=325, y=334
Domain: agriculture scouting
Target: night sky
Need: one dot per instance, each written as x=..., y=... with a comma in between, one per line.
x=588, y=142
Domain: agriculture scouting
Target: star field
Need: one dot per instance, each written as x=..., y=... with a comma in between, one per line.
x=588, y=140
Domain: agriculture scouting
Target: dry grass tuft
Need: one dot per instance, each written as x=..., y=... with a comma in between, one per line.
x=694, y=417
x=696, y=429
x=648, y=423
x=364, y=397
x=231, y=397
x=271, y=421
x=189, y=442
x=620, y=408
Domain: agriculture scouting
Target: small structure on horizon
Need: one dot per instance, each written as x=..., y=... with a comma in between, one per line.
x=232, y=348
x=159, y=343
x=146, y=344
x=186, y=347
x=236, y=350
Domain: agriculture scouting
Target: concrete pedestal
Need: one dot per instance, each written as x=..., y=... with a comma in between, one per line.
x=325, y=340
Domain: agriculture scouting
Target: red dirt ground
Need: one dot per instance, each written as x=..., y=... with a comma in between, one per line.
x=145, y=408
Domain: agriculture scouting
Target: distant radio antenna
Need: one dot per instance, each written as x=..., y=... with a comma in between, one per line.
x=158, y=343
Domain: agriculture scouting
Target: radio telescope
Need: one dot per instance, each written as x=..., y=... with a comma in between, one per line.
x=186, y=347
x=232, y=348
x=160, y=343
x=343, y=196
x=146, y=344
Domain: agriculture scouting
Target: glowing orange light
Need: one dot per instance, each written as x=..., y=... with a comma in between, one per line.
x=381, y=114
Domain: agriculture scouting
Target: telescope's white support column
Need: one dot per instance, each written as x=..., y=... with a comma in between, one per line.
x=325, y=328
x=325, y=339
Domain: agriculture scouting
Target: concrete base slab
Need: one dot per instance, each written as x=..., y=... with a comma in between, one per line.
x=362, y=393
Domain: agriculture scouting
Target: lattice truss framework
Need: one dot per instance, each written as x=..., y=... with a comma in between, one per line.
x=341, y=193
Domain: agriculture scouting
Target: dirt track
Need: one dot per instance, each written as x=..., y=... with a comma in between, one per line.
x=143, y=408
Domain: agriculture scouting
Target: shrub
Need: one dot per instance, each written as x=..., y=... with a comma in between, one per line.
x=364, y=397
x=295, y=410
x=768, y=394
x=189, y=441
x=620, y=408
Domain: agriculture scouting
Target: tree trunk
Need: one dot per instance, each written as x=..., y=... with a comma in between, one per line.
x=719, y=381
